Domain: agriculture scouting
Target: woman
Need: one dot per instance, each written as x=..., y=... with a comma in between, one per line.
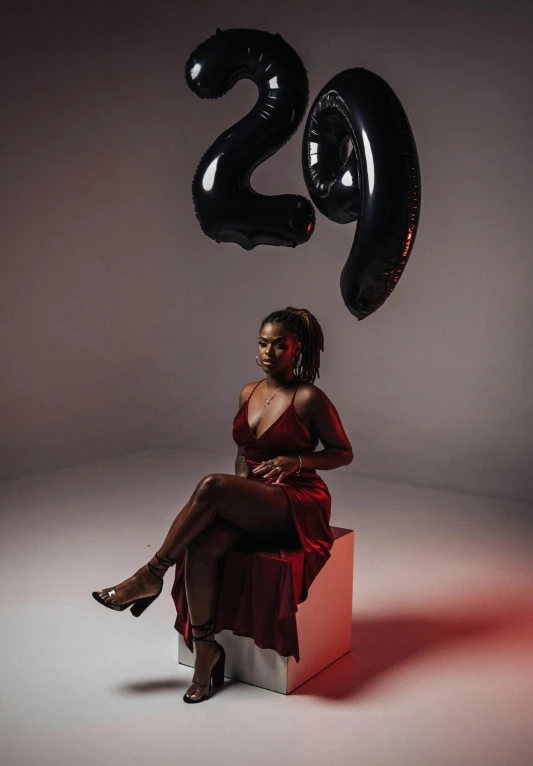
x=275, y=494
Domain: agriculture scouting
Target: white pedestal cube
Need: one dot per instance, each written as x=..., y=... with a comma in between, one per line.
x=324, y=624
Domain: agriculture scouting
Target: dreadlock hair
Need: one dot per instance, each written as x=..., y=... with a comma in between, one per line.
x=308, y=331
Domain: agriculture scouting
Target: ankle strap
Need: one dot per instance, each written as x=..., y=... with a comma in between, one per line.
x=166, y=562
x=208, y=628
x=155, y=569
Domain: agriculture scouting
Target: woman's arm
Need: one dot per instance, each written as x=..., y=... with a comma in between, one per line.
x=241, y=466
x=326, y=424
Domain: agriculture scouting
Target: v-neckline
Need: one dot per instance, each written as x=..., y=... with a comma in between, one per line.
x=291, y=404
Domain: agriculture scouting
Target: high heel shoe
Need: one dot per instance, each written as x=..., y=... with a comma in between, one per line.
x=216, y=679
x=138, y=605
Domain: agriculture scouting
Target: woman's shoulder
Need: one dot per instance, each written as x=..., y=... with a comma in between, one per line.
x=310, y=399
x=246, y=391
x=309, y=392
x=250, y=386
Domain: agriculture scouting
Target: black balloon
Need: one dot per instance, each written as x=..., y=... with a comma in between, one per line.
x=360, y=163
x=227, y=208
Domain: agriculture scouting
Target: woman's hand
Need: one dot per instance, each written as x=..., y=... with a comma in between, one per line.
x=278, y=466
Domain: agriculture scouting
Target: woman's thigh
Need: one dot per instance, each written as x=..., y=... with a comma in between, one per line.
x=255, y=506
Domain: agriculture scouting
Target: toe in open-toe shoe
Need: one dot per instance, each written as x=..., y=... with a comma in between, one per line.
x=138, y=605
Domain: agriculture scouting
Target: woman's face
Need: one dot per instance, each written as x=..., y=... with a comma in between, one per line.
x=277, y=348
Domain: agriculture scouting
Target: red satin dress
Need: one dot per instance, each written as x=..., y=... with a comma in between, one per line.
x=263, y=580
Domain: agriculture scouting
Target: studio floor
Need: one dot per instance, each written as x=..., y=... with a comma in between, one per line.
x=441, y=667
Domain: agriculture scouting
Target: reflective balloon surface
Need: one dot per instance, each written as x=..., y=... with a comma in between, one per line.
x=227, y=208
x=360, y=163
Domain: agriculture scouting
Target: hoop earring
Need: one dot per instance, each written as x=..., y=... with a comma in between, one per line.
x=258, y=363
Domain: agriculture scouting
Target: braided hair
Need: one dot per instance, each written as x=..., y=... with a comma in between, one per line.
x=308, y=331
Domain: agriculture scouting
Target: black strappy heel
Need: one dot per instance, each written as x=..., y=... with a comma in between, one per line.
x=138, y=605
x=216, y=679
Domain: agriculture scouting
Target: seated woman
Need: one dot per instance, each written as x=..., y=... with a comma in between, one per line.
x=276, y=493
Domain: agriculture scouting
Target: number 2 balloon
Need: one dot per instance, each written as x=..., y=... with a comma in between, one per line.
x=226, y=206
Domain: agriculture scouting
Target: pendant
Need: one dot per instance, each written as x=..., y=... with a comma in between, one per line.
x=268, y=401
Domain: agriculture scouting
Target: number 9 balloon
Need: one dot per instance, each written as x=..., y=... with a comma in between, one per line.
x=377, y=183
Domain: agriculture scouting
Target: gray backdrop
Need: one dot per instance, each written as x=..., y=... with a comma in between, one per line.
x=124, y=328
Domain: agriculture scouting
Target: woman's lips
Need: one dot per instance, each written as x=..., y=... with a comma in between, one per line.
x=268, y=361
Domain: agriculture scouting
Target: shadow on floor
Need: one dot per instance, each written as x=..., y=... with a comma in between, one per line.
x=382, y=645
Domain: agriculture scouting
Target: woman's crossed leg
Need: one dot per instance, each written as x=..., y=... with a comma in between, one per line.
x=251, y=506
x=223, y=511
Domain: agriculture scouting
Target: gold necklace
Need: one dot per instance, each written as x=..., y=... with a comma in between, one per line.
x=265, y=404
x=273, y=395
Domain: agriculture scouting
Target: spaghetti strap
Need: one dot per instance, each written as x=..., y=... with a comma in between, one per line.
x=254, y=389
x=292, y=400
x=295, y=390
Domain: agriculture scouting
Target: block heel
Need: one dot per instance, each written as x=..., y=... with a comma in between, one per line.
x=217, y=674
x=138, y=605
x=216, y=679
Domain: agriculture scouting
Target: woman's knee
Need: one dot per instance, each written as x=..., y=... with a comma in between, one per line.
x=210, y=487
